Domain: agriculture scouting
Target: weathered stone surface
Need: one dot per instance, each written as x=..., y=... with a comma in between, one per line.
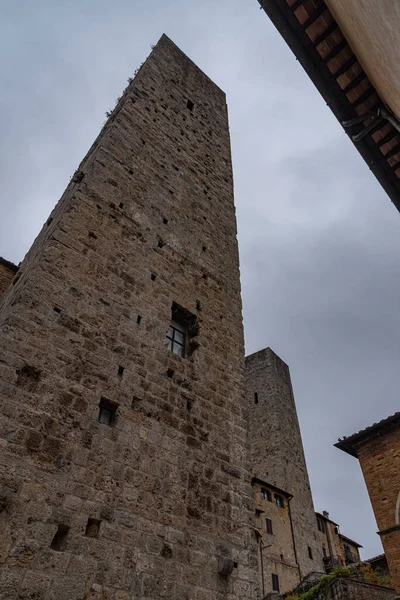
x=277, y=454
x=85, y=324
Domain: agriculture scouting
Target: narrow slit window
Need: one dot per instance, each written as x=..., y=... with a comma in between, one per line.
x=268, y=523
x=255, y=398
x=190, y=105
x=310, y=554
x=275, y=582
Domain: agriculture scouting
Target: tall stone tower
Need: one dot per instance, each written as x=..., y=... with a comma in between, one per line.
x=277, y=454
x=123, y=425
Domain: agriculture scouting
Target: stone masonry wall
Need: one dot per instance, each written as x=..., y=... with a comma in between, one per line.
x=379, y=458
x=7, y=272
x=351, y=589
x=277, y=454
x=152, y=506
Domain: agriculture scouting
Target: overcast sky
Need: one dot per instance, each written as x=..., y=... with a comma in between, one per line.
x=319, y=239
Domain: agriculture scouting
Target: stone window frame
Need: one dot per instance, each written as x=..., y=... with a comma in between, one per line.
x=279, y=501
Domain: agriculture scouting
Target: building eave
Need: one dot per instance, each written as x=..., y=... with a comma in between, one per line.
x=319, y=45
x=350, y=444
x=347, y=539
x=273, y=487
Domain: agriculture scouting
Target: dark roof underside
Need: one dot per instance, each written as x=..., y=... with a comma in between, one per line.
x=314, y=36
x=350, y=444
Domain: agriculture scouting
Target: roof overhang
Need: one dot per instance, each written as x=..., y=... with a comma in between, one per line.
x=351, y=443
x=315, y=37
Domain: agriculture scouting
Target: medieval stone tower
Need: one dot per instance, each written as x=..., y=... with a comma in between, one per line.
x=277, y=454
x=124, y=471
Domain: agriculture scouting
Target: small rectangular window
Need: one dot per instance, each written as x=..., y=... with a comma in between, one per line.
x=190, y=105
x=175, y=338
x=275, y=582
x=269, y=526
x=265, y=494
x=321, y=524
x=278, y=501
x=181, y=332
x=107, y=412
x=310, y=554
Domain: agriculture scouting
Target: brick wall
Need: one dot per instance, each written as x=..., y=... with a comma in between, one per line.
x=7, y=272
x=277, y=454
x=156, y=505
x=379, y=458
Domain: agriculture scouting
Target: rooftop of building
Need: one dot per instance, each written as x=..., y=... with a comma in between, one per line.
x=322, y=48
x=325, y=515
x=273, y=487
x=377, y=558
x=350, y=444
x=349, y=540
x=8, y=264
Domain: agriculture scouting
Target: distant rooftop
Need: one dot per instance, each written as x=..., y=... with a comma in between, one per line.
x=8, y=264
x=350, y=444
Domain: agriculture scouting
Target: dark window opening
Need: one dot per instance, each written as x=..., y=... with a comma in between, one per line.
x=190, y=105
x=275, y=582
x=92, y=528
x=183, y=328
x=324, y=551
x=120, y=371
x=265, y=494
x=255, y=398
x=107, y=412
x=282, y=557
x=121, y=205
x=152, y=277
x=165, y=221
x=279, y=501
x=337, y=530
x=59, y=541
x=161, y=243
x=139, y=318
x=204, y=248
x=269, y=526
x=310, y=554
x=170, y=373
x=321, y=524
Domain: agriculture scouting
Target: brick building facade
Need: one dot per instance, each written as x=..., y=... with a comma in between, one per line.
x=378, y=450
x=124, y=465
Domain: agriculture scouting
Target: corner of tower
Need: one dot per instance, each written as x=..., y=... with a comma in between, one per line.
x=266, y=355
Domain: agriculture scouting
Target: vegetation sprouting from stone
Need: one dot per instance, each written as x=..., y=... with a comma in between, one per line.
x=362, y=572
